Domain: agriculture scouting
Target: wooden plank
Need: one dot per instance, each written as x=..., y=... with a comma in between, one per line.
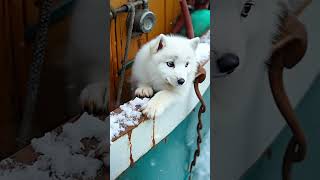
x=158, y=8
x=31, y=12
x=117, y=3
x=136, y=44
x=121, y=35
x=133, y=48
x=172, y=11
x=20, y=60
x=113, y=65
x=166, y=12
x=7, y=120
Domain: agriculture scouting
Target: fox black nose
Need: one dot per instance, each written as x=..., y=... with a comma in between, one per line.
x=180, y=81
x=227, y=63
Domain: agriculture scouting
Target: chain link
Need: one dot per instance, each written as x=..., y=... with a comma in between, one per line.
x=200, y=77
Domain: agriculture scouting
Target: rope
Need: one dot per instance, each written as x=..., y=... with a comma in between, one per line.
x=124, y=60
x=39, y=48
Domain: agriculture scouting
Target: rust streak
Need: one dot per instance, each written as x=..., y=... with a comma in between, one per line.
x=153, y=129
x=130, y=145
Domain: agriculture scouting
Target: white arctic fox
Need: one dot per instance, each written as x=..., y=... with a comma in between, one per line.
x=166, y=65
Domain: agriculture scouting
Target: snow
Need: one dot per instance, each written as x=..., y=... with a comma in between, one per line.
x=62, y=155
x=86, y=126
x=129, y=116
x=22, y=171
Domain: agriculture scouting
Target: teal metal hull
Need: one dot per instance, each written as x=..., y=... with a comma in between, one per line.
x=267, y=168
x=170, y=158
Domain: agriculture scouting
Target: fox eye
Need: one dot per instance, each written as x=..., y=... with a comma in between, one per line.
x=187, y=64
x=246, y=8
x=170, y=64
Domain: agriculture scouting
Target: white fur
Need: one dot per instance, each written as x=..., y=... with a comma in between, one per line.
x=150, y=71
x=86, y=57
x=249, y=38
x=238, y=98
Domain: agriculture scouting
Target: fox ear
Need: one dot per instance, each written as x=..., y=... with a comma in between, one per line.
x=194, y=42
x=159, y=44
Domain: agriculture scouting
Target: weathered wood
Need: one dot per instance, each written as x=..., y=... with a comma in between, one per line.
x=11, y=51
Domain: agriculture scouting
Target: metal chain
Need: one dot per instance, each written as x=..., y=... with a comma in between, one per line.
x=294, y=38
x=297, y=146
x=200, y=77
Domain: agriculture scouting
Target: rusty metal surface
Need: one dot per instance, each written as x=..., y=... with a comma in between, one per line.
x=187, y=18
x=200, y=77
x=286, y=54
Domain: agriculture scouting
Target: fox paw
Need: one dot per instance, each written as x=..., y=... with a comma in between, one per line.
x=153, y=109
x=144, y=91
x=93, y=100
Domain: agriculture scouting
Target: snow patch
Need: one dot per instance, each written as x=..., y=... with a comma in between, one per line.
x=63, y=155
x=129, y=116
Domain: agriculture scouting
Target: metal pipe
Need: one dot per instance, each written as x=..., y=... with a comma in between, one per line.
x=145, y=4
x=122, y=9
x=179, y=25
x=204, y=4
x=125, y=8
x=187, y=18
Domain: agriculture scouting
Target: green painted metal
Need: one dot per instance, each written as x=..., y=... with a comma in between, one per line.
x=200, y=22
x=170, y=158
x=269, y=168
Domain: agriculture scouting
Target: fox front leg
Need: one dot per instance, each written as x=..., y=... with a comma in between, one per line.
x=93, y=98
x=144, y=90
x=158, y=104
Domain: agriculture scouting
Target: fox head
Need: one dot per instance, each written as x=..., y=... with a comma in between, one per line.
x=243, y=30
x=174, y=58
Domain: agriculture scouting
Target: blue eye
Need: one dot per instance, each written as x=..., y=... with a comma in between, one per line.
x=170, y=64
